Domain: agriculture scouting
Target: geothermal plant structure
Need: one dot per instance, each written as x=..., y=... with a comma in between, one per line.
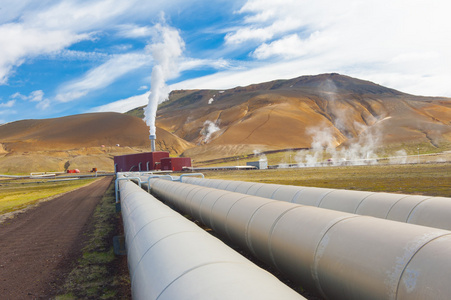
x=150, y=161
x=324, y=244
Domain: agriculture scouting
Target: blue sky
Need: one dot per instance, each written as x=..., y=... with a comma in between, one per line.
x=68, y=57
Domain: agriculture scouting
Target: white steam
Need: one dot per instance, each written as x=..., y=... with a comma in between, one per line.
x=166, y=52
x=400, y=157
x=360, y=150
x=208, y=130
x=261, y=156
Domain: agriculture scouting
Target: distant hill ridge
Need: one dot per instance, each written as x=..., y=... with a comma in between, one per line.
x=283, y=113
x=327, y=110
x=306, y=84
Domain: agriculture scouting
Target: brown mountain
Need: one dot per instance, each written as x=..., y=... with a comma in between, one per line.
x=310, y=111
x=79, y=141
x=294, y=113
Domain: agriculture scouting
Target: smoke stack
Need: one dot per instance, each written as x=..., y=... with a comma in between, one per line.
x=152, y=138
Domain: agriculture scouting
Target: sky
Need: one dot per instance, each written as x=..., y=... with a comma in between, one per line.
x=65, y=57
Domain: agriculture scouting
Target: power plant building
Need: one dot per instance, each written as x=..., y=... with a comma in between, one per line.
x=175, y=163
x=261, y=164
x=139, y=162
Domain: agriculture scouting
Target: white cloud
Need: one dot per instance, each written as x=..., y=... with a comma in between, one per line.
x=400, y=43
x=123, y=105
x=134, y=31
x=191, y=63
x=292, y=46
x=29, y=29
x=102, y=76
x=77, y=16
x=77, y=55
x=8, y=104
x=43, y=105
x=19, y=42
x=35, y=96
x=18, y=95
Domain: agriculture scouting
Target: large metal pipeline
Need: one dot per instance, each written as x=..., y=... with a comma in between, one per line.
x=170, y=257
x=419, y=210
x=335, y=254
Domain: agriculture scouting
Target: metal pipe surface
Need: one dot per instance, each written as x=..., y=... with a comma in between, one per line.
x=336, y=254
x=152, y=138
x=420, y=210
x=170, y=257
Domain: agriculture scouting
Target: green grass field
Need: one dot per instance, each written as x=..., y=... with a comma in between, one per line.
x=18, y=194
x=420, y=179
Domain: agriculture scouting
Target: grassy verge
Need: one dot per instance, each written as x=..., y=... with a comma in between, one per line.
x=422, y=179
x=15, y=195
x=99, y=274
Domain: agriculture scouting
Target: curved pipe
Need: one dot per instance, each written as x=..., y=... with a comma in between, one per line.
x=170, y=257
x=335, y=254
x=191, y=175
x=148, y=178
x=419, y=210
x=122, y=177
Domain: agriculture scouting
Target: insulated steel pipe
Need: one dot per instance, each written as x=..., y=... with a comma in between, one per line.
x=336, y=254
x=170, y=257
x=420, y=210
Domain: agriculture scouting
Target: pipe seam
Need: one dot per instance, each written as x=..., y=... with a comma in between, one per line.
x=393, y=205
x=412, y=257
x=271, y=255
x=148, y=224
x=317, y=254
x=322, y=198
x=228, y=212
x=195, y=268
x=132, y=277
x=136, y=207
x=361, y=201
x=248, y=240
x=295, y=196
x=415, y=207
x=201, y=201
x=211, y=212
x=247, y=188
x=275, y=191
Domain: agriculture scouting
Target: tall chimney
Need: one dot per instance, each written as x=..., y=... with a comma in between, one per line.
x=152, y=138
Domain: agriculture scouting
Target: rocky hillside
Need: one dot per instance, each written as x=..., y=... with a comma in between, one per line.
x=329, y=109
x=80, y=141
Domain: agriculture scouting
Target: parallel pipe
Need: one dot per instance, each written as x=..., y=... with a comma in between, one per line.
x=335, y=254
x=420, y=210
x=170, y=257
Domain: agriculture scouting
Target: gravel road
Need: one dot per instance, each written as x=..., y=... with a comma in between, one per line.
x=39, y=247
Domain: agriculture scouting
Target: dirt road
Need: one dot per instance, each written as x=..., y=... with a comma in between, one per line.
x=39, y=247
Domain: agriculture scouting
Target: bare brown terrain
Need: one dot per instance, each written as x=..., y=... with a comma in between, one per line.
x=39, y=246
x=287, y=113
x=80, y=141
x=330, y=110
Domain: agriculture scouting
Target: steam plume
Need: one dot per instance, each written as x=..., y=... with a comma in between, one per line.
x=166, y=52
x=208, y=130
x=360, y=150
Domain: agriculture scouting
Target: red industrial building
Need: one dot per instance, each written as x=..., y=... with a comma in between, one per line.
x=139, y=162
x=175, y=163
